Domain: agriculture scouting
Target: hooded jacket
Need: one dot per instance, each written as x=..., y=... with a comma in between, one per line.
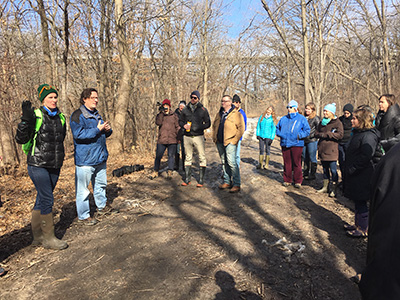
x=89, y=142
x=292, y=129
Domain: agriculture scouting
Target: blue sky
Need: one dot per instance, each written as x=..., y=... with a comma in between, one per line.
x=239, y=12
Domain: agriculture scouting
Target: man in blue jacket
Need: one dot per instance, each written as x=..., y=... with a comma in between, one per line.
x=90, y=133
x=292, y=129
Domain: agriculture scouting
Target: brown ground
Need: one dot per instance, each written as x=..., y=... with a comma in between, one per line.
x=173, y=242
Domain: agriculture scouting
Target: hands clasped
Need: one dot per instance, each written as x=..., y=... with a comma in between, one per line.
x=106, y=126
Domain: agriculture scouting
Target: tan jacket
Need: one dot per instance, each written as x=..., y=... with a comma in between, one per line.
x=233, y=127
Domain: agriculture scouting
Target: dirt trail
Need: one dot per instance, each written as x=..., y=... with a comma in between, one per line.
x=173, y=242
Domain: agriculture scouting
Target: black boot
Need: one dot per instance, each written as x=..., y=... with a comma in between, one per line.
x=201, y=176
x=188, y=175
x=176, y=166
x=306, y=171
x=313, y=171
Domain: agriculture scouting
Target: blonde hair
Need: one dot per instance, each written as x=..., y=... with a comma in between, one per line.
x=272, y=113
x=365, y=118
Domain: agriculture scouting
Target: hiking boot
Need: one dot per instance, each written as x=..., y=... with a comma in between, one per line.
x=88, y=222
x=169, y=174
x=297, y=185
x=107, y=210
x=153, y=175
x=286, y=184
x=224, y=186
x=235, y=189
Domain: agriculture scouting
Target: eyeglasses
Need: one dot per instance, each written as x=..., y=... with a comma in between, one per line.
x=191, y=97
x=46, y=87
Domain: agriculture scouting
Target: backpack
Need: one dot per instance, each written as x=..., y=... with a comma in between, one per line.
x=30, y=145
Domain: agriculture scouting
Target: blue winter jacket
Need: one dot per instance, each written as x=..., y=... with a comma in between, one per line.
x=245, y=120
x=89, y=142
x=266, y=128
x=292, y=129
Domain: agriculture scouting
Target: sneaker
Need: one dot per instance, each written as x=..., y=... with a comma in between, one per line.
x=297, y=185
x=285, y=183
x=235, y=189
x=88, y=222
x=153, y=175
x=169, y=174
x=224, y=186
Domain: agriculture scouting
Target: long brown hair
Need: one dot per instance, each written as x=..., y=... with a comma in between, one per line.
x=365, y=118
x=313, y=113
x=272, y=114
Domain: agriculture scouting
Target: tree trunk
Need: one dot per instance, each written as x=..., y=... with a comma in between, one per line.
x=45, y=42
x=306, y=53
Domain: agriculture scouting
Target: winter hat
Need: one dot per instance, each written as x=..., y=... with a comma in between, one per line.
x=182, y=102
x=44, y=90
x=293, y=103
x=196, y=93
x=236, y=98
x=331, y=107
x=348, y=107
x=166, y=101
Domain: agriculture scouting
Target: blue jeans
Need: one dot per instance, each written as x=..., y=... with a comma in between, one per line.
x=330, y=166
x=83, y=176
x=309, y=154
x=160, y=152
x=238, y=153
x=45, y=181
x=229, y=163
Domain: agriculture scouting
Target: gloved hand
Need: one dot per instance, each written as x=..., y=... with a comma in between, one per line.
x=28, y=114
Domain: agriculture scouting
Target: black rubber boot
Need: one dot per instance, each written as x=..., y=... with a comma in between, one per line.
x=201, y=176
x=176, y=166
x=306, y=171
x=188, y=175
x=313, y=171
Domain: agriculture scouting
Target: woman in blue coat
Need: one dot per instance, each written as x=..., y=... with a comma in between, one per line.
x=265, y=134
x=292, y=129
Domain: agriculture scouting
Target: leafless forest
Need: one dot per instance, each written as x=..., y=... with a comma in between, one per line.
x=139, y=52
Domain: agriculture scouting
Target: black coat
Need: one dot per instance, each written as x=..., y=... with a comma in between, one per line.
x=347, y=128
x=199, y=117
x=381, y=277
x=313, y=123
x=358, y=164
x=388, y=125
x=49, y=149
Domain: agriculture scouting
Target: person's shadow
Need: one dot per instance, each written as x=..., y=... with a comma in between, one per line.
x=228, y=291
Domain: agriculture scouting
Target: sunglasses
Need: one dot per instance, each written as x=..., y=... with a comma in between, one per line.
x=290, y=107
x=193, y=97
x=46, y=87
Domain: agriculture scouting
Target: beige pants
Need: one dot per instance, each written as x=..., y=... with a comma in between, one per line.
x=197, y=142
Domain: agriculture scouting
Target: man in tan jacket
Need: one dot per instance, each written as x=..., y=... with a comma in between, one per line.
x=228, y=128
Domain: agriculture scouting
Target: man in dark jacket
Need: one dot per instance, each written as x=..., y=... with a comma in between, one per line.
x=194, y=119
x=347, y=127
x=180, y=147
x=90, y=133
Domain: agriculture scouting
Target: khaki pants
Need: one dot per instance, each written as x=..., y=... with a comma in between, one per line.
x=198, y=142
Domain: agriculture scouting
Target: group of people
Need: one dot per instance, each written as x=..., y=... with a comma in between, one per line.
x=185, y=128
x=42, y=132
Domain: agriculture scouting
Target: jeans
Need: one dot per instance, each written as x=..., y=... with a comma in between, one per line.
x=330, y=165
x=238, y=153
x=292, y=164
x=45, y=181
x=83, y=176
x=229, y=163
x=265, y=146
x=198, y=143
x=309, y=154
x=160, y=152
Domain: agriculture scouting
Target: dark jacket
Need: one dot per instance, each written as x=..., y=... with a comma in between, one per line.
x=49, y=149
x=181, y=130
x=381, y=278
x=347, y=128
x=313, y=123
x=168, y=128
x=199, y=117
x=329, y=137
x=89, y=141
x=358, y=165
x=388, y=125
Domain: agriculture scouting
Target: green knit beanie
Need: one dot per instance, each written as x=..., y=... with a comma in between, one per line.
x=44, y=90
